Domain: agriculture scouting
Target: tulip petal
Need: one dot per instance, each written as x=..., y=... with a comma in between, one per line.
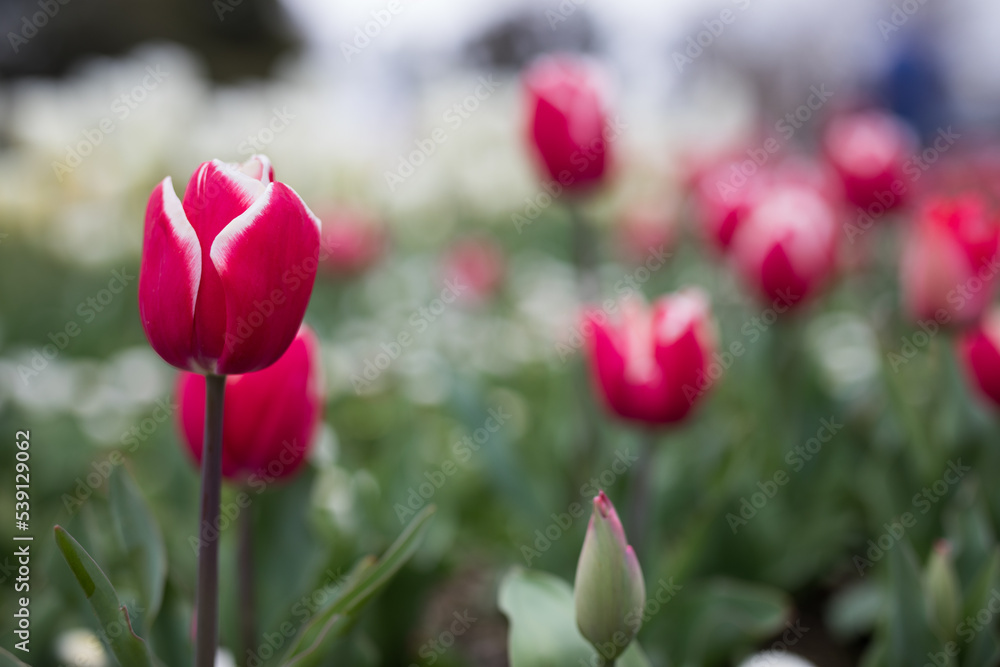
x=266, y=260
x=217, y=194
x=170, y=277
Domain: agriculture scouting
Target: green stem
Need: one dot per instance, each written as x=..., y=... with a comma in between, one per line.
x=248, y=607
x=640, y=491
x=207, y=591
x=584, y=256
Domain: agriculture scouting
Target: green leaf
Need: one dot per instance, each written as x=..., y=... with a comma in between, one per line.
x=8, y=660
x=365, y=582
x=116, y=628
x=140, y=537
x=543, y=628
x=909, y=633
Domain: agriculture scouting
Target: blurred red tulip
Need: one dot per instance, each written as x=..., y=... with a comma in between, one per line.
x=478, y=264
x=721, y=206
x=949, y=264
x=226, y=276
x=979, y=353
x=645, y=229
x=650, y=366
x=269, y=417
x=567, y=120
x=869, y=150
x=351, y=243
x=787, y=246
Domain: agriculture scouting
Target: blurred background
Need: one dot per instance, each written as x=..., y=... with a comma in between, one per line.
x=100, y=99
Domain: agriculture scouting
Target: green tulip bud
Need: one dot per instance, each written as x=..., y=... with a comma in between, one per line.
x=941, y=591
x=609, y=591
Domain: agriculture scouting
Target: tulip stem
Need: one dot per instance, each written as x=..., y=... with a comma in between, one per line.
x=207, y=591
x=248, y=607
x=584, y=256
x=639, y=505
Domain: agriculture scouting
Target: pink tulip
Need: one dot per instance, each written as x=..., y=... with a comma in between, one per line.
x=948, y=268
x=650, y=367
x=477, y=263
x=269, y=417
x=719, y=205
x=352, y=243
x=567, y=120
x=226, y=275
x=786, y=249
x=646, y=230
x=868, y=150
x=979, y=353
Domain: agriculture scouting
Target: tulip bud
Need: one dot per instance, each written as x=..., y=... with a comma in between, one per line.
x=609, y=589
x=949, y=265
x=567, y=120
x=787, y=246
x=868, y=150
x=269, y=417
x=979, y=352
x=941, y=591
x=646, y=232
x=226, y=275
x=652, y=366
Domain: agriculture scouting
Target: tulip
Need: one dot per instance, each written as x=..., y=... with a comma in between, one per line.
x=351, y=243
x=651, y=366
x=948, y=267
x=269, y=417
x=868, y=150
x=787, y=246
x=608, y=590
x=226, y=275
x=942, y=592
x=567, y=120
x=478, y=265
x=979, y=352
x=719, y=205
x=646, y=230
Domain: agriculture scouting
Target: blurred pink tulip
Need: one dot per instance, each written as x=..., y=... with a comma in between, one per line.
x=786, y=248
x=351, y=243
x=979, y=353
x=650, y=366
x=478, y=264
x=226, y=275
x=567, y=120
x=949, y=264
x=869, y=151
x=269, y=417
